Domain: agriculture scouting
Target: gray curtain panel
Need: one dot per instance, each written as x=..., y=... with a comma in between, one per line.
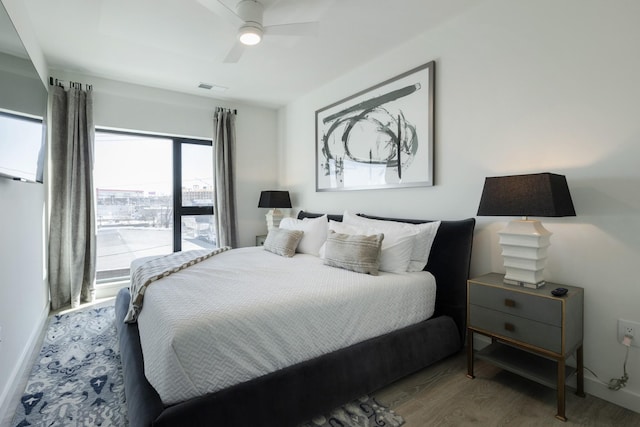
x=224, y=204
x=72, y=229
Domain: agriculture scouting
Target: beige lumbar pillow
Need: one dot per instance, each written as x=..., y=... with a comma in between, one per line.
x=355, y=252
x=283, y=242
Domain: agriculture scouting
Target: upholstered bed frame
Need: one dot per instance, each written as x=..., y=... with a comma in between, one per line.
x=297, y=393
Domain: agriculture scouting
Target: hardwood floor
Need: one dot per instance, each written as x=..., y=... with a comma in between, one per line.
x=442, y=395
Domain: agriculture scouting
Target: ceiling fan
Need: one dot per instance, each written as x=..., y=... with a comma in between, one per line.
x=248, y=19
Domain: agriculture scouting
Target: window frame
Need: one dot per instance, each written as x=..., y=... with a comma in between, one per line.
x=178, y=209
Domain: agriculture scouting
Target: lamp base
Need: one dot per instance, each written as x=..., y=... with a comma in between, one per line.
x=274, y=216
x=524, y=284
x=524, y=248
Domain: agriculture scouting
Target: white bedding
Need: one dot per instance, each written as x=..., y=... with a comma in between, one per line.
x=247, y=312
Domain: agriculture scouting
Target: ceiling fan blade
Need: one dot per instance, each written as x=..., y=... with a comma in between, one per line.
x=234, y=53
x=220, y=9
x=299, y=29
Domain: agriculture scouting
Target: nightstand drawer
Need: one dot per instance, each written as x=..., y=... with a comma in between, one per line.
x=517, y=303
x=524, y=330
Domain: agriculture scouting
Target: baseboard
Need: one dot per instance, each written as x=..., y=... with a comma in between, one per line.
x=17, y=379
x=109, y=290
x=623, y=397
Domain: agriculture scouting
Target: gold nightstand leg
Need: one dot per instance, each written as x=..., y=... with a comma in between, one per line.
x=470, y=354
x=561, y=398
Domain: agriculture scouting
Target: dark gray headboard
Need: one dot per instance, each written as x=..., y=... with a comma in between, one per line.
x=449, y=262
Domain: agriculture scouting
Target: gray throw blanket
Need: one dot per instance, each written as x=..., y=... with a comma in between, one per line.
x=157, y=268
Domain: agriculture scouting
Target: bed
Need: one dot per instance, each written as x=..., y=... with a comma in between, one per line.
x=298, y=392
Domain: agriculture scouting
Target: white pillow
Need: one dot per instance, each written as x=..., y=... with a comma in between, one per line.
x=315, y=233
x=422, y=246
x=396, y=246
x=424, y=235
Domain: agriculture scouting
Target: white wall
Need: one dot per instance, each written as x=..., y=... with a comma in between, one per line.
x=24, y=297
x=131, y=107
x=526, y=86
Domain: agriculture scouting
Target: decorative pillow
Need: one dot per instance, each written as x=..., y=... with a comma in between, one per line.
x=424, y=235
x=315, y=233
x=397, y=246
x=359, y=253
x=283, y=242
x=340, y=227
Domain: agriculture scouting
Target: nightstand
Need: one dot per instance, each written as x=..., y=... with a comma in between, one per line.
x=532, y=332
x=260, y=240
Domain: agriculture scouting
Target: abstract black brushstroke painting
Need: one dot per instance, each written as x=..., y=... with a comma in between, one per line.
x=381, y=137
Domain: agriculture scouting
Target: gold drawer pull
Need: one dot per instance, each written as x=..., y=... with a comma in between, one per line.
x=509, y=302
x=509, y=327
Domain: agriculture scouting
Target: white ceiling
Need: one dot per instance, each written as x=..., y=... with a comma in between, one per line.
x=177, y=44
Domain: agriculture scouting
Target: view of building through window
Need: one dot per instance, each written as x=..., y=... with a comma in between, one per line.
x=134, y=178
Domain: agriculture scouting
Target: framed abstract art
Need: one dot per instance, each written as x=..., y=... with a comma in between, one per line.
x=381, y=137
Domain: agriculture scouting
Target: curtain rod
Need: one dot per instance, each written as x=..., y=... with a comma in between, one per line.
x=74, y=85
x=228, y=109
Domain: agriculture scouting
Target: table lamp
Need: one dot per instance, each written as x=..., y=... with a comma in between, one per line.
x=525, y=241
x=274, y=200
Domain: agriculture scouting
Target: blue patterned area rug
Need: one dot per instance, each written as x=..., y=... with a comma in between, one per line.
x=77, y=380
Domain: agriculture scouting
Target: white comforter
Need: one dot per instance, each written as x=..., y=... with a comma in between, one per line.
x=247, y=312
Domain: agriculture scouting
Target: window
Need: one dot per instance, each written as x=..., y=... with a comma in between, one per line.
x=21, y=147
x=193, y=169
x=153, y=195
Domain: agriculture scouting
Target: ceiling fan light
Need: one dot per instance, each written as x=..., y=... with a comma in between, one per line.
x=250, y=35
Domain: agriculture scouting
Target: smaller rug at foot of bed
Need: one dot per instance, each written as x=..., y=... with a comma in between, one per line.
x=363, y=412
x=76, y=379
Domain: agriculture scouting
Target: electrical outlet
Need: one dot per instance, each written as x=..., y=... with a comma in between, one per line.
x=631, y=328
